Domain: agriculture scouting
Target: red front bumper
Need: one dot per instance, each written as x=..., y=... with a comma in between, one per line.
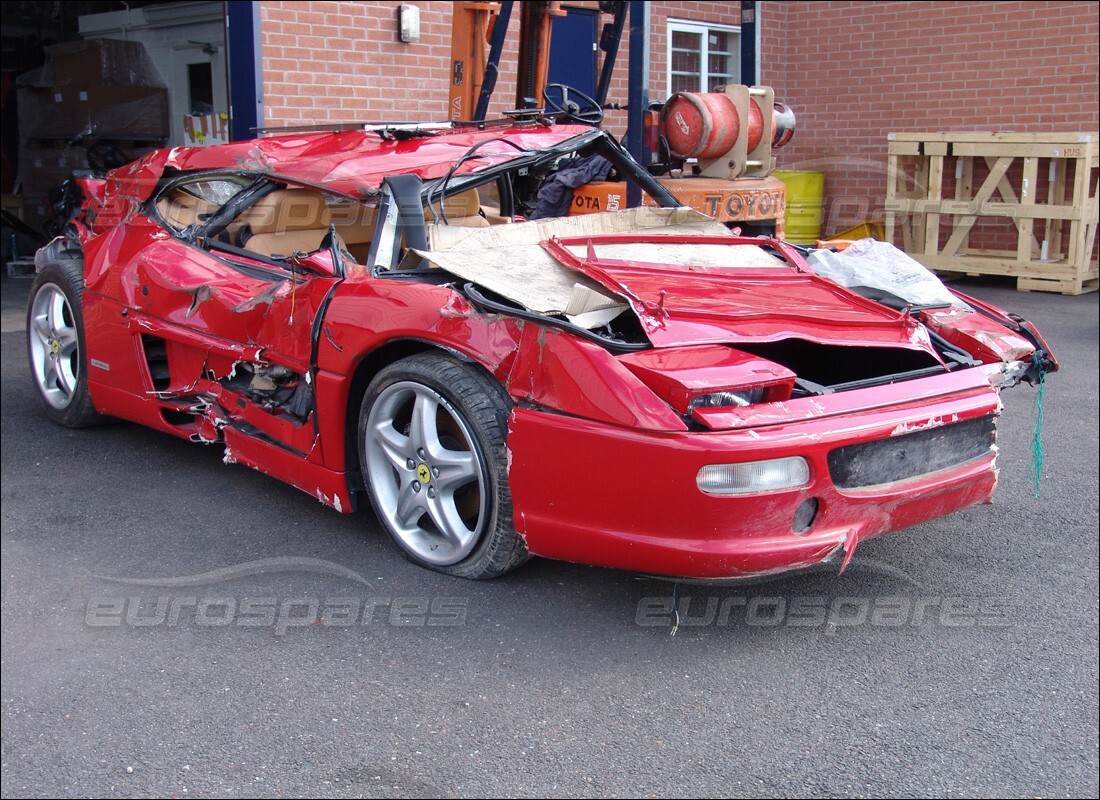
x=609, y=496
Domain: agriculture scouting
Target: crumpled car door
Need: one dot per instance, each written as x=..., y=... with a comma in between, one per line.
x=225, y=334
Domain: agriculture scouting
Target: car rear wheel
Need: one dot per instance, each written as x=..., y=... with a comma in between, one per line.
x=56, y=344
x=432, y=448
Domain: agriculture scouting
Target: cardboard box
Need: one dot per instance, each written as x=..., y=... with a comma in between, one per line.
x=111, y=112
x=106, y=61
x=41, y=170
x=45, y=168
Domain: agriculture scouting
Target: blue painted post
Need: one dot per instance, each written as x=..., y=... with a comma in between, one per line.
x=246, y=94
x=638, y=95
x=748, y=42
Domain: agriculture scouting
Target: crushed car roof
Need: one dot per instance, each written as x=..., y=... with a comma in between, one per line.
x=351, y=162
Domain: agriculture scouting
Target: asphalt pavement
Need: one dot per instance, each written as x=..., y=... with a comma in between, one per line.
x=177, y=627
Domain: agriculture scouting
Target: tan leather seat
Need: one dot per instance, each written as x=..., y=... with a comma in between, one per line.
x=355, y=225
x=180, y=209
x=462, y=209
x=284, y=222
x=491, y=205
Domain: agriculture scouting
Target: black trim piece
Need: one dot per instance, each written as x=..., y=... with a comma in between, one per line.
x=952, y=350
x=507, y=195
x=900, y=376
x=889, y=299
x=492, y=67
x=426, y=275
x=257, y=272
x=251, y=431
x=458, y=183
x=155, y=351
x=899, y=458
x=314, y=347
x=610, y=37
x=631, y=169
x=339, y=266
x=283, y=267
x=1014, y=320
x=238, y=203
x=177, y=180
x=811, y=389
x=473, y=294
x=441, y=185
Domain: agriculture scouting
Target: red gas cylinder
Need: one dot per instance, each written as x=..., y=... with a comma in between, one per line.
x=701, y=125
x=756, y=124
x=706, y=125
x=782, y=124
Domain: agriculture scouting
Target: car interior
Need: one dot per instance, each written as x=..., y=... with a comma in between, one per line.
x=296, y=219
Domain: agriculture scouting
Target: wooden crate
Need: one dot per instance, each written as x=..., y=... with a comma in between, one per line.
x=1042, y=186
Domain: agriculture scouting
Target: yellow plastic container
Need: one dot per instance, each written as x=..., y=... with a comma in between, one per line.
x=865, y=230
x=805, y=204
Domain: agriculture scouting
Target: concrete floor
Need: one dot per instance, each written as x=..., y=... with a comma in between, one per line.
x=557, y=680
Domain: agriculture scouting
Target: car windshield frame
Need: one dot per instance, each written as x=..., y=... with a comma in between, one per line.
x=598, y=141
x=387, y=251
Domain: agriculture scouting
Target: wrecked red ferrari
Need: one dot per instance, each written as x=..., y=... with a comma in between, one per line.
x=377, y=314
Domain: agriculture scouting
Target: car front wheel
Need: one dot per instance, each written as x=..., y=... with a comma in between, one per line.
x=432, y=447
x=56, y=344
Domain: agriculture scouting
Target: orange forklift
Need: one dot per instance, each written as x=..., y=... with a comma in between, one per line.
x=712, y=150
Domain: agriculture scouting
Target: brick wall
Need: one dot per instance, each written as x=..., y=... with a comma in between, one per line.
x=854, y=71
x=342, y=61
x=772, y=19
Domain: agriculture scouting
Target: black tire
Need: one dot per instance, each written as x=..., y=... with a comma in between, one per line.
x=432, y=449
x=65, y=397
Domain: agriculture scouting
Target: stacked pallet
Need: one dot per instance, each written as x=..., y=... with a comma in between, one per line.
x=1021, y=205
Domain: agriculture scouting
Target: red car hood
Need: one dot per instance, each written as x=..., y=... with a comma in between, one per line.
x=684, y=305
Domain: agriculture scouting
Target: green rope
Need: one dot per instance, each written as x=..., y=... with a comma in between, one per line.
x=1037, y=436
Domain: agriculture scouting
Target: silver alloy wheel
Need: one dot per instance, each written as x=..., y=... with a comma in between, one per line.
x=427, y=473
x=55, y=348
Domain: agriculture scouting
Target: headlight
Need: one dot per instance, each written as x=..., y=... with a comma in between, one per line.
x=745, y=397
x=754, y=476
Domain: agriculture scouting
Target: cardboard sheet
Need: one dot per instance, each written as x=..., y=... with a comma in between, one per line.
x=702, y=257
x=509, y=259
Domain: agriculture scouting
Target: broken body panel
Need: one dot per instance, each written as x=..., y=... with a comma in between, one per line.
x=610, y=432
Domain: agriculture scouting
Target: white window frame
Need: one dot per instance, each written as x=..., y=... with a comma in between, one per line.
x=702, y=29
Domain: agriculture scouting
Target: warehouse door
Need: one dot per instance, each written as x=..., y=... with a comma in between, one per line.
x=198, y=89
x=573, y=50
